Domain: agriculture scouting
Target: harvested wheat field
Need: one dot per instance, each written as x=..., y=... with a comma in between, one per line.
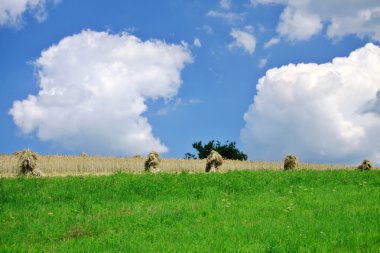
x=58, y=165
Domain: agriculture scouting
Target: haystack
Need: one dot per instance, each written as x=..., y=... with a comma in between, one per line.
x=28, y=163
x=290, y=162
x=84, y=154
x=214, y=159
x=366, y=165
x=152, y=162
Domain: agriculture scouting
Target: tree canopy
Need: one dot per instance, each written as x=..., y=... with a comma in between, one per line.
x=227, y=150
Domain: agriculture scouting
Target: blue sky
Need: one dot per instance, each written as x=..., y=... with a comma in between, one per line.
x=125, y=77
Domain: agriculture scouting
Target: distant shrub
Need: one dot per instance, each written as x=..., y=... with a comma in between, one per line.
x=28, y=163
x=84, y=154
x=190, y=156
x=290, y=162
x=137, y=156
x=366, y=165
x=214, y=159
x=228, y=151
x=152, y=162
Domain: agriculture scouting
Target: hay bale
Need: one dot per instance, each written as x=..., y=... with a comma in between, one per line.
x=290, y=162
x=28, y=163
x=152, y=162
x=214, y=159
x=84, y=154
x=366, y=165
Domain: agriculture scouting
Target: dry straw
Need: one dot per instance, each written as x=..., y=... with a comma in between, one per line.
x=152, y=162
x=290, y=162
x=214, y=159
x=366, y=165
x=62, y=165
x=28, y=163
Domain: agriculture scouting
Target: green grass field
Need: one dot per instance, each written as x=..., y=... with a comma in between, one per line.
x=241, y=211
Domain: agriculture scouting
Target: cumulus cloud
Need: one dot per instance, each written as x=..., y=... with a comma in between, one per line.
x=197, y=42
x=298, y=25
x=321, y=112
x=243, y=39
x=374, y=105
x=93, y=92
x=11, y=11
x=302, y=19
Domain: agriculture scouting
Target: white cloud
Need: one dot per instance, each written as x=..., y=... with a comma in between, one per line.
x=263, y=62
x=194, y=101
x=256, y=2
x=206, y=28
x=170, y=106
x=197, y=42
x=224, y=12
x=243, y=40
x=298, y=25
x=11, y=11
x=373, y=106
x=365, y=22
x=173, y=105
x=93, y=92
x=302, y=19
x=225, y=4
x=226, y=15
x=322, y=113
x=271, y=42
x=249, y=28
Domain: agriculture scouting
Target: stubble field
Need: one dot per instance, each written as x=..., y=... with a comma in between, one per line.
x=58, y=165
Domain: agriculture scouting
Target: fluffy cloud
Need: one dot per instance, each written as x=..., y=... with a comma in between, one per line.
x=93, y=89
x=197, y=42
x=298, y=25
x=323, y=113
x=11, y=11
x=243, y=40
x=302, y=19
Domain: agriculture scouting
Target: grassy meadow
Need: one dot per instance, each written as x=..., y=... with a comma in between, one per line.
x=236, y=211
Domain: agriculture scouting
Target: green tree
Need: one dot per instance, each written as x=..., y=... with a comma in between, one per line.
x=227, y=150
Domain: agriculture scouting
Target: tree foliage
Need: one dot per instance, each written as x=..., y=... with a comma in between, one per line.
x=227, y=150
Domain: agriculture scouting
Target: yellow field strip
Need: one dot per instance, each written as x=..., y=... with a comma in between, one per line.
x=57, y=165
